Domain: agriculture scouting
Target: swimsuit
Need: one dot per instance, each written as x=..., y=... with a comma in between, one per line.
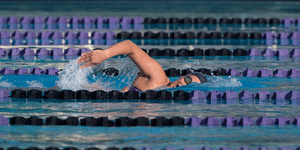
x=133, y=88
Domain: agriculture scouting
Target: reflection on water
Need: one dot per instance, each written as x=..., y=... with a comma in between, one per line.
x=158, y=138
x=114, y=109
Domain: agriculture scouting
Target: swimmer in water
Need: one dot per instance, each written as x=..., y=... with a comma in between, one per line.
x=151, y=75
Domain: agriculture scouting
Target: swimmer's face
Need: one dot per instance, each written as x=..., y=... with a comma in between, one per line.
x=183, y=80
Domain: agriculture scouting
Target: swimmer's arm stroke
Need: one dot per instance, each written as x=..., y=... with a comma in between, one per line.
x=148, y=66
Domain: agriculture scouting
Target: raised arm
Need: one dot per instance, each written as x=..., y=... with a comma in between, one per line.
x=149, y=67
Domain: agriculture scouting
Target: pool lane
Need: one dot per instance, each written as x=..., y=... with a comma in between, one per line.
x=209, y=62
x=107, y=83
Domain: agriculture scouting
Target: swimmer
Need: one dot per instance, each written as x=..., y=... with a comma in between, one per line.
x=151, y=76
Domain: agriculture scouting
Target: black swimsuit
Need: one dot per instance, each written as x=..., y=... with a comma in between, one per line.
x=133, y=88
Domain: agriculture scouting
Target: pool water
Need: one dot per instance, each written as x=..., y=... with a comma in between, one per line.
x=71, y=78
x=157, y=138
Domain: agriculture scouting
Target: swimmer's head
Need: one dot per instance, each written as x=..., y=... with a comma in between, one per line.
x=188, y=79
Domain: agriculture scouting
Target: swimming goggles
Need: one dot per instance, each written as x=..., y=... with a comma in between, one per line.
x=188, y=80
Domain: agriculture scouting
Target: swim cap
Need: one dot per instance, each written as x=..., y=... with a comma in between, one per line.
x=200, y=76
x=97, y=49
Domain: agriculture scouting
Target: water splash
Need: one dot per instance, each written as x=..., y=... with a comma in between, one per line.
x=35, y=84
x=225, y=82
x=127, y=73
x=129, y=70
x=73, y=78
x=6, y=84
x=91, y=79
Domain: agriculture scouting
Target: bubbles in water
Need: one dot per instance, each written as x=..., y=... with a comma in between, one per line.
x=35, y=84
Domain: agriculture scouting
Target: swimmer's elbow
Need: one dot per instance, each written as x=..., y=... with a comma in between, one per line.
x=130, y=45
x=128, y=42
x=125, y=89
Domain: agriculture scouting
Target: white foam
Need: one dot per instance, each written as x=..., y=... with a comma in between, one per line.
x=6, y=84
x=225, y=82
x=35, y=84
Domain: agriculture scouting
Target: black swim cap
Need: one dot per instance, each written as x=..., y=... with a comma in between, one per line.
x=200, y=76
x=97, y=49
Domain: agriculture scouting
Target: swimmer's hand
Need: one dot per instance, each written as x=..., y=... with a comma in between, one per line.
x=93, y=58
